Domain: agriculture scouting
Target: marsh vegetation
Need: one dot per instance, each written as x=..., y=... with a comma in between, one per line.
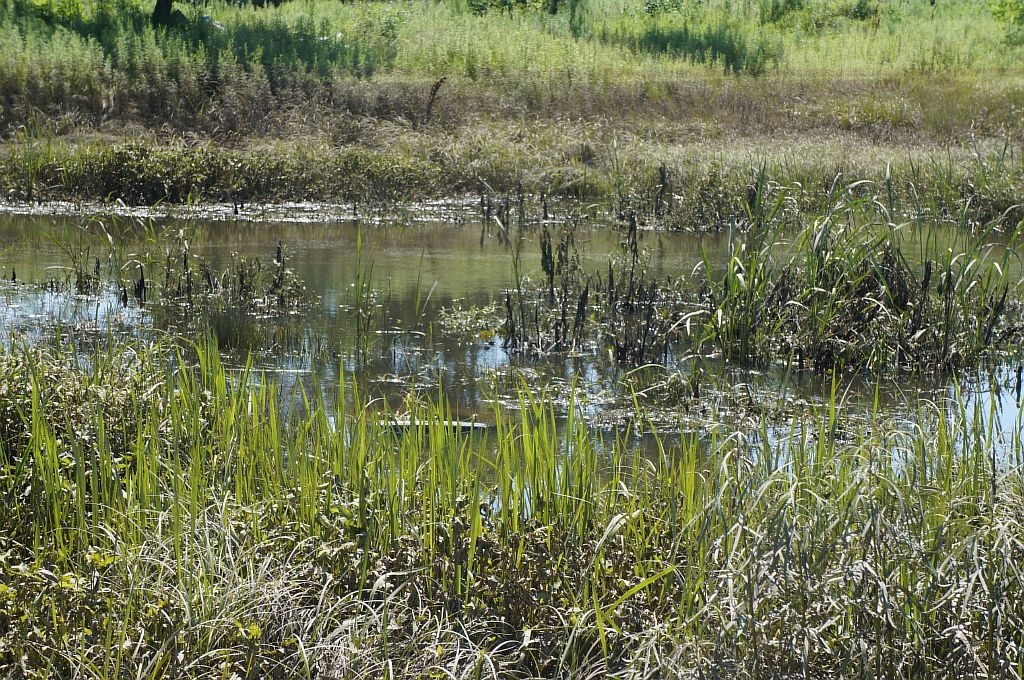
x=485, y=339
x=177, y=516
x=661, y=108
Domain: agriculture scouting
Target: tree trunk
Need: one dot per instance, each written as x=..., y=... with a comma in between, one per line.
x=162, y=13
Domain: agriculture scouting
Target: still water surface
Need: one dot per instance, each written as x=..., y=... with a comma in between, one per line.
x=419, y=271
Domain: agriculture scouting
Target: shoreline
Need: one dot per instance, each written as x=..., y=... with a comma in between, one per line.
x=700, y=186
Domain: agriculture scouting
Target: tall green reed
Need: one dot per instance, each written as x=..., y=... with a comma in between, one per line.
x=222, y=528
x=842, y=292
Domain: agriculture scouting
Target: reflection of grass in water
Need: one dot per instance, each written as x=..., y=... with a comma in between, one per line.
x=170, y=521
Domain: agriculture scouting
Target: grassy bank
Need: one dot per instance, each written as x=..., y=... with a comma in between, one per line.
x=173, y=522
x=227, y=67
x=394, y=101
x=689, y=185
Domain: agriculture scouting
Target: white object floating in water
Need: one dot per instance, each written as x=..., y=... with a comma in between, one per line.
x=408, y=423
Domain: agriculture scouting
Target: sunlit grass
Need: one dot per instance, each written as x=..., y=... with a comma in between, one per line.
x=167, y=517
x=395, y=102
x=191, y=527
x=93, y=59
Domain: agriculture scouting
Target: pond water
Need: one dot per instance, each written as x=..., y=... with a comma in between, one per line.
x=428, y=296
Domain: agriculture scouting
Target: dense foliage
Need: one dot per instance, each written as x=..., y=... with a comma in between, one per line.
x=167, y=517
x=171, y=522
x=385, y=101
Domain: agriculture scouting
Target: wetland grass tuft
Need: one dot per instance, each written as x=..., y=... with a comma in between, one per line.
x=257, y=285
x=846, y=294
x=190, y=527
x=847, y=290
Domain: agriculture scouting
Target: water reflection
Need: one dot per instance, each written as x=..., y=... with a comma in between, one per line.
x=409, y=344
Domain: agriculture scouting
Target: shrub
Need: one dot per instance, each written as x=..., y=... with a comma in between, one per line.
x=1011, y=13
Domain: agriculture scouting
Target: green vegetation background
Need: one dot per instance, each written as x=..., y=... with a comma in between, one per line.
x=345, y=101
x=163, y=518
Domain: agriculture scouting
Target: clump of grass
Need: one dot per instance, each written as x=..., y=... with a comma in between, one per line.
x=250, y=284
x=553, y=318
x=216, y=534
x=843, y=292
x=849, y=298
x=118, y=396
x=640, y=314
x=627, y=312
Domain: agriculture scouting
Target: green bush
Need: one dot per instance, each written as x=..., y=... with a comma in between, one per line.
x=1011, y=12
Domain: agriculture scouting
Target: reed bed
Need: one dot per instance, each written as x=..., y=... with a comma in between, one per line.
x=171, y=520
x=664, y=182
x=851, y=292
x=850, y=289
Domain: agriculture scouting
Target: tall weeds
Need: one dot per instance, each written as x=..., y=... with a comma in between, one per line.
x=233, y=70
x=848, y=297
x=172, y=520
x=847, y=291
